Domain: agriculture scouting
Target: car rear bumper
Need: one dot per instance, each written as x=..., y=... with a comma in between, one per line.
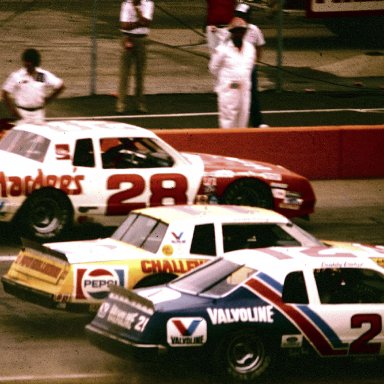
x=121, y=346
x=41, y=298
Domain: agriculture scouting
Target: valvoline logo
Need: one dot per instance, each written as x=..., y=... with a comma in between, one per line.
x=94, y=283
x=186, y=331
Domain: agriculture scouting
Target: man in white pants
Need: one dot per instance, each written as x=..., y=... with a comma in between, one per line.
x=232, y=64
x=27, y=90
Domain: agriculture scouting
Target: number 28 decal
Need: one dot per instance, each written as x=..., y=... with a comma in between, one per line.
x=117, y=203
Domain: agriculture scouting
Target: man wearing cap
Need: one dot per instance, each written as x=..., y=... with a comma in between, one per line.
x=219, y=15
x=232, y=64
x=255, y=36
x=27, y=90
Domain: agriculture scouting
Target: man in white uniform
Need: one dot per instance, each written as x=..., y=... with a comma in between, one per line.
x=27, y=90
x=232, y=64
x=135, y=18
x=255, y=36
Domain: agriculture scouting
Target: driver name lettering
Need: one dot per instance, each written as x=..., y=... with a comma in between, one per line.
x=262, y=314
x=24, y=186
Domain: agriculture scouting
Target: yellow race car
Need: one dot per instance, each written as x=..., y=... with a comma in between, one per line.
x=152, y=246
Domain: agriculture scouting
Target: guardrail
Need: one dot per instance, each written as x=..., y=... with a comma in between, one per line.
x=335, y=152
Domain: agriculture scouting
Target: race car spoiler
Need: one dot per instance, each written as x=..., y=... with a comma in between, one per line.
x=131, y=299
x=33, y=247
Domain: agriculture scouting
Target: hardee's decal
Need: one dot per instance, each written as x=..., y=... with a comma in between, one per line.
x=169, y=266
x=23, y=186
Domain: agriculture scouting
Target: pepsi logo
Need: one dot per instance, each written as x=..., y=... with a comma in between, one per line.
x=94, y=283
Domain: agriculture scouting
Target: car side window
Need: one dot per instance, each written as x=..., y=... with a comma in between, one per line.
x=135, y=152
x=84, y=154
x=295, y=290
x=349, y=286
x=251, y=236
x=203, y=242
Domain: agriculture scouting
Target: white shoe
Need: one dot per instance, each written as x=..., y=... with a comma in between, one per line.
x=263, y=126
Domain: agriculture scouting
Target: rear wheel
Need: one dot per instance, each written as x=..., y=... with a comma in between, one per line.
x=45, y=216
x=243, y=356
x=249, y=192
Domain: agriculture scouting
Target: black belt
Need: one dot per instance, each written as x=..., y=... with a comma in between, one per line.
x=29, y=109
x=135, y=34
x=219, y=25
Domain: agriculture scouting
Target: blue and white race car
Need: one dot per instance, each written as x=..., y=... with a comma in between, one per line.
x=252, y=306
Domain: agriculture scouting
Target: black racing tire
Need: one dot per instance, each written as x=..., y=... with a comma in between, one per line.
x=46, y=215
x=156, y=279
x=243, y=356
x=248, y=192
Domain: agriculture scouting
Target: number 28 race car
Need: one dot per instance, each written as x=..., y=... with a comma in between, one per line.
x=248, y=309
x=152, y=246
x=66, y=172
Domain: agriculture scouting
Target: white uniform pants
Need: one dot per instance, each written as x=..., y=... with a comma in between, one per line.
x=233, y=104
x=31, y=117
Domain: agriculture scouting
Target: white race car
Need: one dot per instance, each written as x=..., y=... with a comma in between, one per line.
x=66, y=172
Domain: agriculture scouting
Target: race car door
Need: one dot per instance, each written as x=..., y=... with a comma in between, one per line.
x=351, y=311
x=138, y=172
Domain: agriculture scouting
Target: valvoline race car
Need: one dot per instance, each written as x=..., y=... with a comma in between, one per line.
x=152, y=246
x=68, y=172
x=249, y=309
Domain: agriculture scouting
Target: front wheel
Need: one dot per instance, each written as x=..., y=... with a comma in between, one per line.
x=243, y=356
x=248, y=192
x=45, y=216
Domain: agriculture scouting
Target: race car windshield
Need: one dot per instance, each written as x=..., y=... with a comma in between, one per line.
x=141, y=231
x=26, y=144
x=214, y=279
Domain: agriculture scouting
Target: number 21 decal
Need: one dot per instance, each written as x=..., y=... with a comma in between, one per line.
x=362, y=345
x=117, y=203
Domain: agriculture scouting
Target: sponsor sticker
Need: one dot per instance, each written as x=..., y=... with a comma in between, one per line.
x=94, y=283
x=186, y=331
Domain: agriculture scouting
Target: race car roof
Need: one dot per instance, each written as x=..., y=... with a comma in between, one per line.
x=86, y=128
x=275, y=259
x=209, y=213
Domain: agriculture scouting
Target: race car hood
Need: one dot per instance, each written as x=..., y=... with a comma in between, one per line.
x=99, y=250
x=229, y=166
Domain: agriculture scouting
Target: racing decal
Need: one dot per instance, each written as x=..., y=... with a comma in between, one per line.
x=378, y=260
x=23, y=186
x=62, y=152
x=128, y=319
x=314, y=328
x=167, y=250
x=186, y=331
x=38, y=265
x=169, y=266
x=178, y=237
x=261, y=314
x=162, y=188
x=291, y=341
x=94, y=283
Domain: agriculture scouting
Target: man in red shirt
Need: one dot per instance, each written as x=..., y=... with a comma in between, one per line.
x=219, y=14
